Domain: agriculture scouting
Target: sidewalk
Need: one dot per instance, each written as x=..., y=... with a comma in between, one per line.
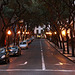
x=69, y=56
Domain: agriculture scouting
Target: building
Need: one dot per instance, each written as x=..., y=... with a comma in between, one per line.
x=39, y=31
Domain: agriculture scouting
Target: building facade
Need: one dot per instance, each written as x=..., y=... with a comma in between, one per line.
x=38, y=30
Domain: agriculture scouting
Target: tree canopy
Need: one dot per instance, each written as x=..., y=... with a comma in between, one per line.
x=37, y=12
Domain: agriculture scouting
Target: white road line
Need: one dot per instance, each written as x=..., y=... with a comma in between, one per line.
x=60, y=63
x=24, y=63
x=34, y=70
x=42, y=57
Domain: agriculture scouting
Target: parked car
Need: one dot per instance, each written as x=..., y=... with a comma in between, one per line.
x=4, y=55
x=32, y=38
x=28, y=41
x=23, y=45
x=14, y=50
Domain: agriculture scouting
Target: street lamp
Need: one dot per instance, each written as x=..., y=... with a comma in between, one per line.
x=50, y=33
x=55, y=33
x=47, y=33
x=18, y=32
x=8, y=33
x=27, y=32
x=23, y=32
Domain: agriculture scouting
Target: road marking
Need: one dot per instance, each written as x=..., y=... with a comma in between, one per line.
x=35, y=70
x=24, y=63
x=41, y=50
x=42, y=57
x=60, y=63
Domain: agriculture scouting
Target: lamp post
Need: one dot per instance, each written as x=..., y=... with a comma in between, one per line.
x=8, y=33
x=63, y=34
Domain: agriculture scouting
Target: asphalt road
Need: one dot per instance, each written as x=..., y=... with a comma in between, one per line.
x=39, y=59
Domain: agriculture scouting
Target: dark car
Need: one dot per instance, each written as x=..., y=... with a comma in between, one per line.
x=14, y=50
x=4, y=55
x=28, y=41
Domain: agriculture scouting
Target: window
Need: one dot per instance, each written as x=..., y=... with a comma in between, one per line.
x=24, y=42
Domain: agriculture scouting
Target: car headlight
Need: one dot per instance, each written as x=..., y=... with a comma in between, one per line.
x=3, y=56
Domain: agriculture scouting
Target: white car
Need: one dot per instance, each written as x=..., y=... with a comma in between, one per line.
x=23, y=45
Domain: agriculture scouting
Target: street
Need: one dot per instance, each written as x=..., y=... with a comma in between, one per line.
x=39, y=59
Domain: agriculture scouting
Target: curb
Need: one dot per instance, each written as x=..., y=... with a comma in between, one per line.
x=59, y=51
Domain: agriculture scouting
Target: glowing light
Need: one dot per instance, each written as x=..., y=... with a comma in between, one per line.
x=25, y=62
x=9, y=32
x=50, y=33
x=47, y=32
x=23, y=32
x=21, y=21
x=18, y=32
x=60, y=63
x=27, y=32
x=55, y=32
x=63, y=32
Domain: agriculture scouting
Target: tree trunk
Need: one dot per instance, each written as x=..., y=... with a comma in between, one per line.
x=63, y=45
x=67, y=38
x=58, y=37
x=72, y=42
x=3, y=38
